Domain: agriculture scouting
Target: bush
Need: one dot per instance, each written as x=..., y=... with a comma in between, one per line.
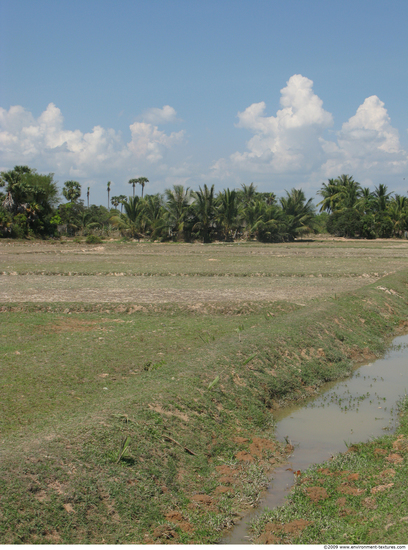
x=93, y=239
x=368, y=227
x=384, y=225
x=347, y=223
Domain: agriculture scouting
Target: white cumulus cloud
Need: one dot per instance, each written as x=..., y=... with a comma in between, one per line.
x=291, y=144
x=288, y=141
x=44, y=143
x=367, y=145
x=160, y=116
x=149, y=142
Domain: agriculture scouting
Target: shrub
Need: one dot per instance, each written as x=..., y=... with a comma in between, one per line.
x=93, y=239
x=346, y=223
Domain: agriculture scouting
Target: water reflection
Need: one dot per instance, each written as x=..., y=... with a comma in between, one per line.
x=353, y=410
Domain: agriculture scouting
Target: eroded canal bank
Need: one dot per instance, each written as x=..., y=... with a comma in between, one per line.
x=359, y=408
x=197, y=408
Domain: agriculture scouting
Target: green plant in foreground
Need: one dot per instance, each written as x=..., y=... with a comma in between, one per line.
x=123, y=448
x=214, y=382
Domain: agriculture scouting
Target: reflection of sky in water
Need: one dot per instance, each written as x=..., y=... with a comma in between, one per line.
x=322, y=426
x=319, y=432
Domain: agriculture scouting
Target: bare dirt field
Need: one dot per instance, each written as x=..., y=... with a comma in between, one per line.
x=151, y=290
x=190, y=273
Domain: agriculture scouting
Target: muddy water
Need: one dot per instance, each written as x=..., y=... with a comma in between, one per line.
x=356, y=409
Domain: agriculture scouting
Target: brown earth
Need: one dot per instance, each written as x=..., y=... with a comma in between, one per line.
x=154, y=290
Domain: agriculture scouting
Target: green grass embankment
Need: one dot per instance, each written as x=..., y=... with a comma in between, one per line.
x=193, y=390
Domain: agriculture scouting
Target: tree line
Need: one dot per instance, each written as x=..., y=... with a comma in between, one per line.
x=30, y=206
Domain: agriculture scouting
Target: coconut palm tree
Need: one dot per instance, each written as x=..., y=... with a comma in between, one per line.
x=269, y=222
x=131, y=222
x=398, y=212
x=329, y=192
x=299, y=214
x=365, y=202
x=381, y=198
x=349, y=192
x=228, y=213
x=178, y=201
x=154, y=219
x=247, y=193
x=204, y=211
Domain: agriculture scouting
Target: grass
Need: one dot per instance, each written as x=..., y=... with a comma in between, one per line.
x=359, y=497
x=127, y=422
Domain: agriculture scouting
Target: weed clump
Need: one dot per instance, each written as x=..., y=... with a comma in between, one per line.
x=93, y=239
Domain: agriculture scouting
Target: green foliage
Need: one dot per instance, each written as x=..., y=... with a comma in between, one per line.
x=383, y=224
x=6, y=222
x=31, y=195
x=178, y=201
x=368, y=227
x=203, y=210
x=93, y=239
x=346, y=209
x=71, y=191
x=345, y=223
x=356, y=211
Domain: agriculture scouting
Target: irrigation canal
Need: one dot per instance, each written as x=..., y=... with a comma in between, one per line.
x=356, y=409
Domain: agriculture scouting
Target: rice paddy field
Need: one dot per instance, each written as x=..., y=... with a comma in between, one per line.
x=139, y=380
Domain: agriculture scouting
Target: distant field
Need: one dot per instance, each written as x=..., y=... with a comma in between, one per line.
x=192, y=273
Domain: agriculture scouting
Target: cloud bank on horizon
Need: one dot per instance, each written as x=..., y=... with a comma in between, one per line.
x=292, y=148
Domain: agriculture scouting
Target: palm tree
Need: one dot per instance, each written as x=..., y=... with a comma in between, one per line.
x=72, y=191
x=115, y=201
x=121, y=198
x=349, y=192
x=268, y=222
x=398, y=212
x=381, y=198
x=299, y=213
x=142, y=182
x=366, y=200
x=204, y=210
x=329, y=192
x=154, y=219
x=87, y=195
x=133, y=183
x=340, y=194
x=13, y=180
x=248, y=194
x=108, y=187
x=131, y=222
x=85, y=222
x=228, y=212
x=178, y=200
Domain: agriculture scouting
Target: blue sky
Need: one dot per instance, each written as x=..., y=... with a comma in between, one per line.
x=284, y=94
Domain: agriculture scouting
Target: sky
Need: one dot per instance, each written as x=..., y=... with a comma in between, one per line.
x=283, y=94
